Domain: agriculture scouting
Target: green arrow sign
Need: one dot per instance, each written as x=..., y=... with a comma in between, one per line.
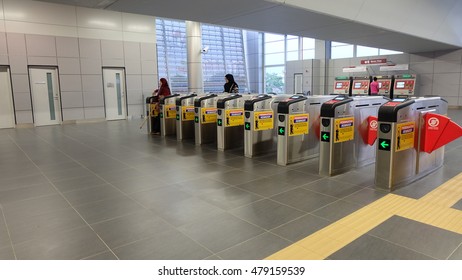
x=247, y=126
x=281, y=130
x=219, y=122
x=384, y=144
x=325, y=136
x=177, y=117
x=196, y=119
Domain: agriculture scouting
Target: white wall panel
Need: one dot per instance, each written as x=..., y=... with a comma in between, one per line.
x=148, y=51
x=112, y=49
x=16, y=44
x=99, y=19
x=67, y=47
x=99, y=34
x=39, y=12
x=4, y=60
x=40, y=60
x=447, y=67
x=73, y=114
x=136, y=110
x=94, y=112
x=22, y=101
x=138, y=23
x=92, y=83
x=2, y=25
x=68, y=65
x=133, y=67
x=149, y=82
x=70, y=83
x=20, y=82
x=132, y=51
x=135, y=97
x=139, y=37
x=18, y=64
x=23, y=117
x=93, y=98
x=71, y=99
x=90, y=66
x=134, y=82
x=90, y=48
x=39, y=45
x=40, y=29
x=113, y=63
x=149, y=67
x=1, y=9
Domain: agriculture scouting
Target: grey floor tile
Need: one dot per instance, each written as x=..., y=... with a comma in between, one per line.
x=267, y=214
x=229, y=198
x=238, y=161
x=137, y=184
x=220, y=232
x=160, y=198
x=218, y=157
x=68, y=174
x=366, y=196
x=78, y=183
x=70, y=245
x=256, y=248
x=303, y=199
x=24, y=227
x=20, y=182
x=429, y=240
x=310, y=166
x=59, y=167
x=372, y=248
x=4, y=236
x=235, y=177
x=6, y=253
x=331, y=187
x=266, y=187
x=301, y=227
x=108, y=209
x=176, y=176
x=414, y=190
x=167, y=245
x=36, y=206
x=188, y=211
x=265, y=169
x=360, y=179
x=130, y=228
x=117, y=175
x=457, y=254
x=31, y=191
x=213, y=258
x=92, y=194
x=210, y=169
x=337, y=210
x=200, y=186
x=458, y=205
x=295, y=178
x=102, y=256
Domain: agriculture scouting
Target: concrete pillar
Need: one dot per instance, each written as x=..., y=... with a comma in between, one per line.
x=194, y=47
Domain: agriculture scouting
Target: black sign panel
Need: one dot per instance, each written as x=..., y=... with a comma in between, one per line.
x=384, y=144
x=325, y=136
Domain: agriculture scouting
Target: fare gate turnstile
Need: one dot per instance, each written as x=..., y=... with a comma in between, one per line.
x=205, y=119
x=168, y=115
x=230, y=121
x=260, y=113
x=411, y=138
x=348, y=132
x=149, y=114
x=185, y=117
x=298, y=128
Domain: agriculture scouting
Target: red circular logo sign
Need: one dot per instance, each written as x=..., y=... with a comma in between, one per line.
x=433, y=122
x=373, y=124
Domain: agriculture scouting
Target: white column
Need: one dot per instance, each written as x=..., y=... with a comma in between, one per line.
x=194, y=47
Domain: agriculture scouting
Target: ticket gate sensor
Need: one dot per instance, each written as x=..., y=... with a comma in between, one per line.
x=348, y=133
x=168, y=115
x=404, y=85
x=230, y=121
x=411, y=138
x=298, y=128
x=342, y=85
x=260, y=134
x=185, y=117
x=205, y=119
x=385, y=85
x=150, y=113
x=360, y=85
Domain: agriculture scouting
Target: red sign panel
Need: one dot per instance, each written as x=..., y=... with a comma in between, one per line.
x=374, y=61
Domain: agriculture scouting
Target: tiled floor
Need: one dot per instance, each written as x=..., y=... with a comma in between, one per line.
x=109, y=191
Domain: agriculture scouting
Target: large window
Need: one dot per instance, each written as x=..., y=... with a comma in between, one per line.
x=341, y=50
x=275, y=59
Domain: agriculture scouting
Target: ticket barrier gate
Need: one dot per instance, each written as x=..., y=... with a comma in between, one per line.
x=411, y=138
x=205, y=119
x=298, y=128
x=260, y=134
x=150, y=107
x=168, y=115
x=185, y=117
x=348, y=133
x=230, y=121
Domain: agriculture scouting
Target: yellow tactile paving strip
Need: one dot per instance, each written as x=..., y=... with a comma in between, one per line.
x=432, y=209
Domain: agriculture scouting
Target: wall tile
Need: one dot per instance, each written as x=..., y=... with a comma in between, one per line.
x=447, y=67
x=446, y=90
x=138, y=23
x=16, y=44
x=68, y=65
x=20, y=82
x=71, y=99
x=452, y=101
x=42, y=60
x=135, y=110
x=139, y=37
x=99, y=19
x=39, y=12
x=92, y=83
x=148, y=82
x=94, y=113
x=23, y=117
x=132, y=51
x=4, y=60
x=422, y=67
x=93, y=98
x=148, y=51
x=41, y=29
x=425, y=79
x=73, y=114
x=135, y=97
x=71, y=83
x=422, y=57
x=3, y=46
x=113, y=63
x=100, y=34
x=18, y=64
x=67, y=47
x=449, y=56
x=91, y=66
x=112, y=49
x=89, y=48
x=39, y=45
x=22, y=101
x=446, y=79
x=133, y=67
x=133, y=82
x=148, y=67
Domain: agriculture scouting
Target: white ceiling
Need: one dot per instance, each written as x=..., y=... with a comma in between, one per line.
x=430, y=28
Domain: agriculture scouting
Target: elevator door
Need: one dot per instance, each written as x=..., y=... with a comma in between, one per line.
x=46, y=102
x=6, y=97
x=114, y=93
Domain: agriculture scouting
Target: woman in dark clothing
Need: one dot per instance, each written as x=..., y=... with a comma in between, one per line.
x=230, y=86
x=164, y=90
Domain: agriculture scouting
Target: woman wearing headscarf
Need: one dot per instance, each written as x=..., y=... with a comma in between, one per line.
x=230, y=85
x=164, y=90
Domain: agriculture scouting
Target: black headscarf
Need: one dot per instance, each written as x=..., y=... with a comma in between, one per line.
x=231, y=86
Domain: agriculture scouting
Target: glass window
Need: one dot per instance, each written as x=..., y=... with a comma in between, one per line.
x=341, y=50
x=291, y=56
x=274, y=79
x=385, y=52
x=274, y=59
x=292, y=44
x=274, y=47
x=366, y=51
x=308, y=54
x=308, y=43
x=269, y=37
